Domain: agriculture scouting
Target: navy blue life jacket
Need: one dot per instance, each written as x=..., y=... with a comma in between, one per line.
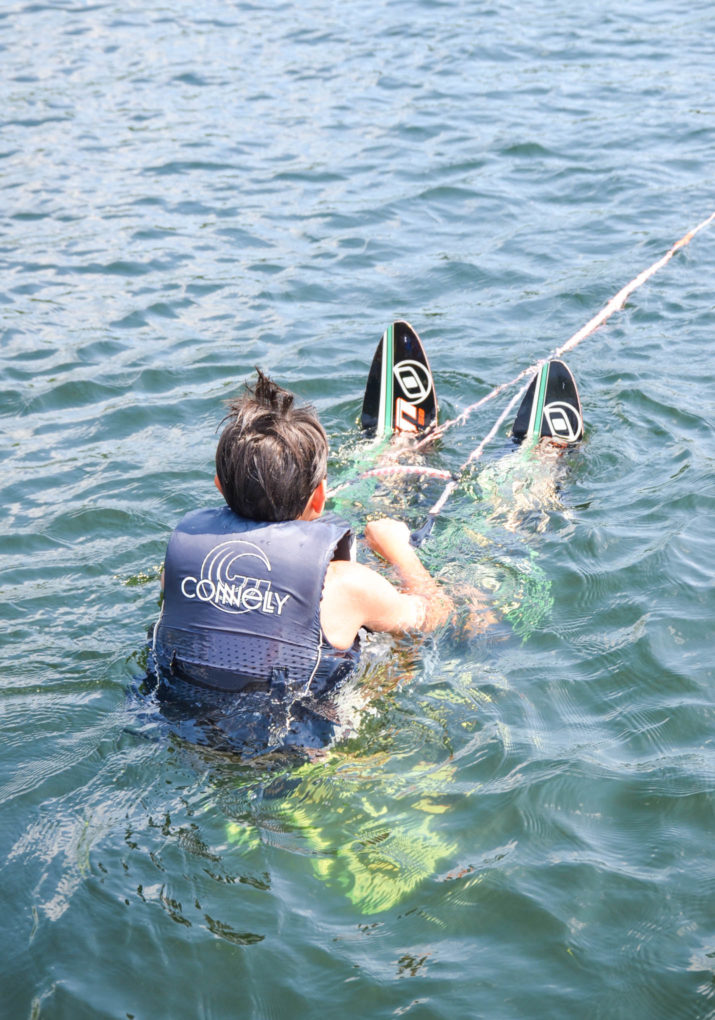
x=242, y=603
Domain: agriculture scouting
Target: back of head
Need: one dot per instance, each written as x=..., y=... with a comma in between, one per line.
x=271, y=455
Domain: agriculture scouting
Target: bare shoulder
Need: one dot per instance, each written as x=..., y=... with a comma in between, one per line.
x=349, y=575
x=356, y=581
x=356, y=596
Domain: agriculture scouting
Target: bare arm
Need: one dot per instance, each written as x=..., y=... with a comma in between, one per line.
x=391, y=540
x=355, y=596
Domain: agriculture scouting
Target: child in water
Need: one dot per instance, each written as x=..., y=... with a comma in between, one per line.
x=263, y=600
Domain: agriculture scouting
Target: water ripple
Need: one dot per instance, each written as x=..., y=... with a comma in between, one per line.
x=517, y=822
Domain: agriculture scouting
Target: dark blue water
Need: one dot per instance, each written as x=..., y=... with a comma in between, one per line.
x=513, y=825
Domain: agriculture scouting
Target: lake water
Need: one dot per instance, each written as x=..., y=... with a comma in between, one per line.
x=521, y=823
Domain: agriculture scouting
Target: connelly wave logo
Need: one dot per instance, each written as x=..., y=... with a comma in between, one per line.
x=229, y=583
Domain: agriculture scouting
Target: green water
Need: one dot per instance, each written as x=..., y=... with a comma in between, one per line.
x=513, y=824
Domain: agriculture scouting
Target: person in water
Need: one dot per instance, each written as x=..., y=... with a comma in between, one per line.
x=264, y=594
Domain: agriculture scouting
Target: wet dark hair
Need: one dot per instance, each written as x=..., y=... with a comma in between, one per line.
x=271, y=455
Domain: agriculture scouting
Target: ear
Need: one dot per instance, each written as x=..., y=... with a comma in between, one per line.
x=217, y=483
x=316, y=503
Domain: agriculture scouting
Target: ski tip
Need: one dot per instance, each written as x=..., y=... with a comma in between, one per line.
x=551, y=408
x=400, y=394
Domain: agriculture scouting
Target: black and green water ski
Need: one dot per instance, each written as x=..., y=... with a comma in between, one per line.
x=551, y=408
x=400, y=394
